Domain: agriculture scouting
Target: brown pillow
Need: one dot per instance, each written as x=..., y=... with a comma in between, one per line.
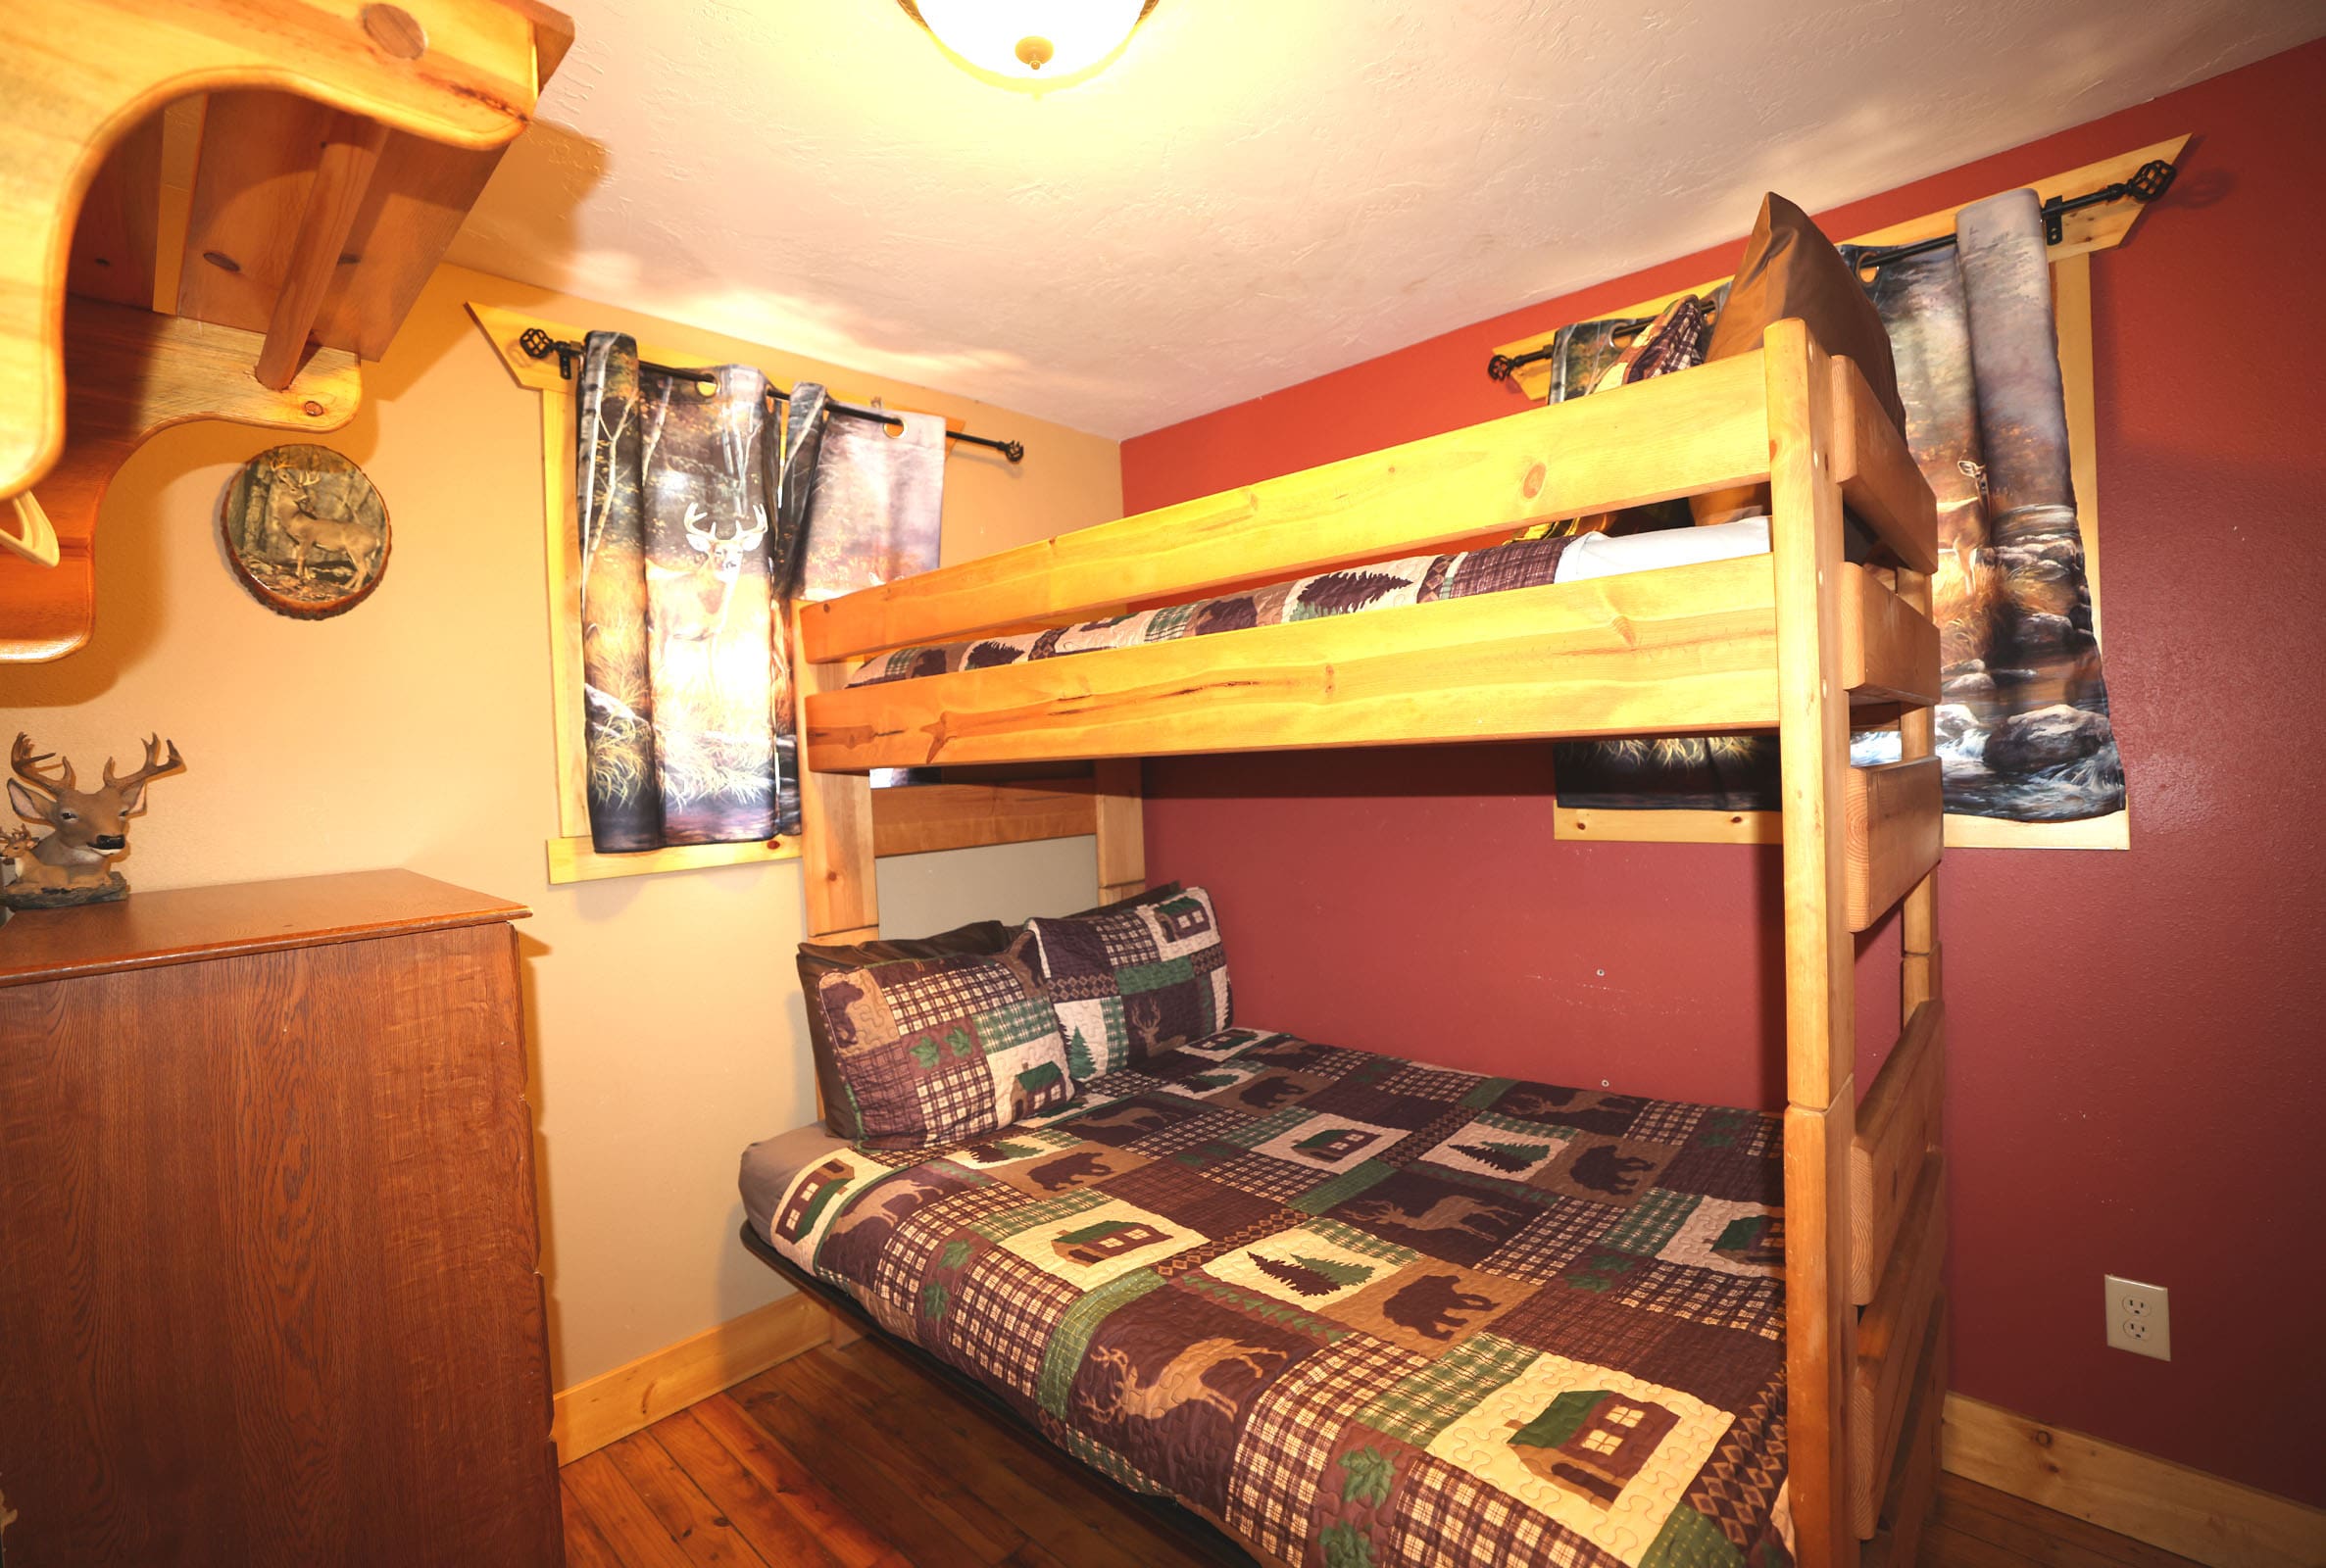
x=1791, y=268
x=979, y=938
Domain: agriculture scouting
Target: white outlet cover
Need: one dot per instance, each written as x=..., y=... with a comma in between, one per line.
x=2138, y=1317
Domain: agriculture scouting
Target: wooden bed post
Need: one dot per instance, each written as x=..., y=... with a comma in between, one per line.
x=838, y=871
x=1122, y=831
x=1813, y=742
x=839, y=874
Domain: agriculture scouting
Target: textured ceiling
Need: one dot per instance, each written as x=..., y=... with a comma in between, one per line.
x=1258, y=190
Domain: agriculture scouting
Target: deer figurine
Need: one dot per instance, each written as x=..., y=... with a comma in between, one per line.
x=287, y=500
x=88, y=828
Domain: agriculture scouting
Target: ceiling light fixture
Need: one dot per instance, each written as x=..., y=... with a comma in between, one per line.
x=1031, y=45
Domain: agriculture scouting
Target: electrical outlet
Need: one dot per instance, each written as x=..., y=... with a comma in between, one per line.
x=2140, y=1317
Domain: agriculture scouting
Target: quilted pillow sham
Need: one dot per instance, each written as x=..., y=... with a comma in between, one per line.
x=934, y=1050
x=1132, y=982
x=981, y=939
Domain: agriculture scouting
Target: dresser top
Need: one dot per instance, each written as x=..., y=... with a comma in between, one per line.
x=184, y=925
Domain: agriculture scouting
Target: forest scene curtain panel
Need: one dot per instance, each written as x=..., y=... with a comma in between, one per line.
x=685, y=540
x=2023, y=732
x=878, y=508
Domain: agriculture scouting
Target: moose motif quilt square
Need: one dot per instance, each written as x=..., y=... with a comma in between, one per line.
x=1487, y=1322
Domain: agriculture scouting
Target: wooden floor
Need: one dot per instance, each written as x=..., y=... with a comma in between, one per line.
x=855, y=1456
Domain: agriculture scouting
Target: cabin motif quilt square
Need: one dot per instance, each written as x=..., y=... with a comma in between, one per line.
x=1377, y=1314
x=934, y=1050
x=1132, y=983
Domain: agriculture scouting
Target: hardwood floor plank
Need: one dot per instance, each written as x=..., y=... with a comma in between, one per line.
x=705, y=1535
x=756, y=1513
x=856, y=1543
x=826, y=1442
x=585, y=1546
x=899, y=1453
x=628, y=1526
x=1060, y=1504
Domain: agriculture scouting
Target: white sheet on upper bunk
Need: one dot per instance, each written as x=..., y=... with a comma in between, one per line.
x=1599, y=555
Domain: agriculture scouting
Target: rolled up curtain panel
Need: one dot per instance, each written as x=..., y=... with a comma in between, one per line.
x=625, y=796
x=2027, y=734
x=685, y=668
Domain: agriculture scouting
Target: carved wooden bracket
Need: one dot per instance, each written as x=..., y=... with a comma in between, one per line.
x=130, y=373
x=281, y=229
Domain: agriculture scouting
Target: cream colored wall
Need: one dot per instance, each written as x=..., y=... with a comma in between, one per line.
x=664, y=1017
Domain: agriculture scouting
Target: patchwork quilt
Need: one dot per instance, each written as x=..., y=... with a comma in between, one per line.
x=1358, y=1311
x=1414, y=580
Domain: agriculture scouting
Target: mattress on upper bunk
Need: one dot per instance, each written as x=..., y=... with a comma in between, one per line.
x=1354, y=1309
x=1378, y=585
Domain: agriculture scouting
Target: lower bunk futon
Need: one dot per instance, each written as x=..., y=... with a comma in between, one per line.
x=1353, y=1310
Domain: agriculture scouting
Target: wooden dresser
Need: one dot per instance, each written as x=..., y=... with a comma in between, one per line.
x=268, y=1293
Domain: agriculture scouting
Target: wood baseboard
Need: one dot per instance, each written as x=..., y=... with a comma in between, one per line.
x=629, y=1398
x=2200, y=1516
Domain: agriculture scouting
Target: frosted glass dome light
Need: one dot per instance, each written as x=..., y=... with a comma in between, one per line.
x=1030, y=45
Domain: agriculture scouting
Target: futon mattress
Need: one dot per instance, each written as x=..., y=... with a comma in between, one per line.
x=1380, y=585
x=1357, y=1311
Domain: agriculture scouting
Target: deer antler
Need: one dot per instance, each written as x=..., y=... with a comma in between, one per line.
x=25, y=762
x=155, y=763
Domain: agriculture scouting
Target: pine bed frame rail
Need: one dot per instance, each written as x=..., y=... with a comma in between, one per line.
x=1657, y=440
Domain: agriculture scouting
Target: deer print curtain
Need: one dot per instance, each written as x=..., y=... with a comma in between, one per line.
x=685, y=545
x=2023, y=729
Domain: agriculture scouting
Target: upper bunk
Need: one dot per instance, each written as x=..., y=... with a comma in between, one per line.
x=1687, y=649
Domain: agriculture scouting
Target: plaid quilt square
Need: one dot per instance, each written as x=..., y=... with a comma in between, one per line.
x=935, y=1051
x=1135, y=983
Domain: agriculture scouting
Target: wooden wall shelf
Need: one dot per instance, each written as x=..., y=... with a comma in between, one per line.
x=267, y=183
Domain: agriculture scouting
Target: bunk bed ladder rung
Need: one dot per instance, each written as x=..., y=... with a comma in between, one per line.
x=1890, y=649
x=1889, y=1337
x=1913, y=1476
x=1896, y=822
x=1898, y=1126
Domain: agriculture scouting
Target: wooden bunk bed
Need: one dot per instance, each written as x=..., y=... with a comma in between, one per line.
x=1798, y=640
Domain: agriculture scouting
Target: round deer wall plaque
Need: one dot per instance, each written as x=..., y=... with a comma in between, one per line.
x=307, y=532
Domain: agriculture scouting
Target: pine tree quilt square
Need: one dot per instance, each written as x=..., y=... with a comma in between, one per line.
x=1313, y=1266
x=1730, y=1238
x=1501, y=1146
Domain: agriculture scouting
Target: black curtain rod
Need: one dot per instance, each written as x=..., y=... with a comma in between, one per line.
x=2147, y=183
x=539, y=345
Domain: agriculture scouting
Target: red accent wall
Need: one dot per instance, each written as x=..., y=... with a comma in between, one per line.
x=2137, y=1038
